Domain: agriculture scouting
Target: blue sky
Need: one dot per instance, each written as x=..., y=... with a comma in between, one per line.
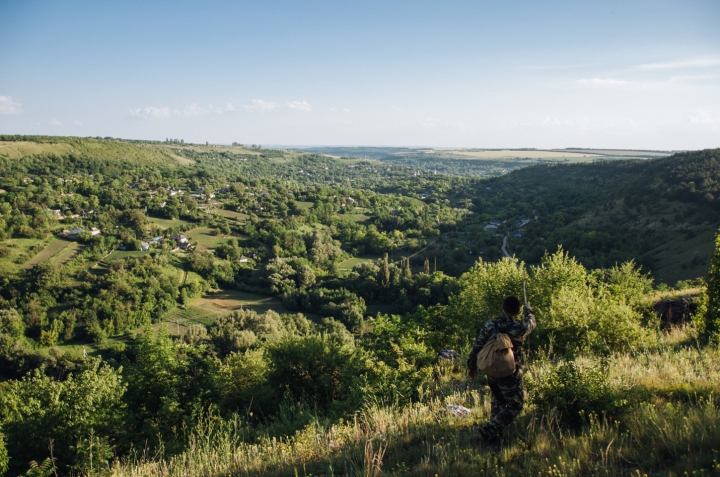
x=625, y=74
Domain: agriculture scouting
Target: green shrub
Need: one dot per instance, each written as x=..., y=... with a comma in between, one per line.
x=318, y=369
x=576, y=320
x=243, y=382
x=482, y=291
x=4, y=458
x=575, y=392
x=38, y=409
x=576, y=310
x=711, y=322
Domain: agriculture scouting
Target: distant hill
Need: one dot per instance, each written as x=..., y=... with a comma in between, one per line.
x=661, y=212
x=479, y=163
x=140, y=152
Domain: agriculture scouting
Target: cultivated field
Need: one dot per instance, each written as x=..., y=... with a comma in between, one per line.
x=122, y=254
x=512, y=154
x=167, y=223
x=303, y=205
x=14, y=253
x=354, y=217
x=54, y=249
x=231, y=214
x=205, y=238
x=350, y=263
x=622, y=152
x=225, y=301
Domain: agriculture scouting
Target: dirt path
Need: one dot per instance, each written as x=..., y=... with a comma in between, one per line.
x=421, y=250
x=504, y=247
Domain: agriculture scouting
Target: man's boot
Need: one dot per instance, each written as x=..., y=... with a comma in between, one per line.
x=489, y=436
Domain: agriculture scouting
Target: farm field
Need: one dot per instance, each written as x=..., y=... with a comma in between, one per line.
x=231, y=214
x=347, y=265
x=14, y=253
x=303, y=205
x=354, y=217
x=53, y=250
x=513, y=154
x=622, y=152
x=167, y=223
x=122, y=254
x=204, y=237
x=181, y=319
x=225, y=301
x=206, y=309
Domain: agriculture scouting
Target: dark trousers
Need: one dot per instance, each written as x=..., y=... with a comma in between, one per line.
x=507, y=402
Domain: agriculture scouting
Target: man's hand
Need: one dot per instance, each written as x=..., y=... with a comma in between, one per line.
x=472, y=373
x=527, y=309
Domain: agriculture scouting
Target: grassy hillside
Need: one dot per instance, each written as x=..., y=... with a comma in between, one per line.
x=672, y=427
x=15, y=147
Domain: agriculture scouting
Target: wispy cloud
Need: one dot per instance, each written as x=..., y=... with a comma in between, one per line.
x=687, y=63
x=194, y=110
x=77, y=123
x=228, y=108
x=554, y=122
x=55, y=122
x=700, y=116
x=430, y=122
x=258, y=105
x=151, y=112
x=8, y=106
x=559, y=67
x=191, y=111
x=601, y=82
x=261, y=106
x=298, y=105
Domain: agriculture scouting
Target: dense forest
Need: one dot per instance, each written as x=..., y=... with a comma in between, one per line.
x=152, y=290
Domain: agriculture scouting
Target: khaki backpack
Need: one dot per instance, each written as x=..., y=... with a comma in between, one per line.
x=496, y=358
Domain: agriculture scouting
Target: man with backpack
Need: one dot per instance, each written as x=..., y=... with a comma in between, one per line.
x=498, y=344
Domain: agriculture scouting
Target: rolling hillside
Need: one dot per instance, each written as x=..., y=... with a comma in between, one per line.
x=662, y=213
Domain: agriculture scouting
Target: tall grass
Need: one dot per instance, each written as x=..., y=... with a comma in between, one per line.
x=671, y=427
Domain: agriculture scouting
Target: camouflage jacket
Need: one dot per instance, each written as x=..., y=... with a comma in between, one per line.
x=516, y=330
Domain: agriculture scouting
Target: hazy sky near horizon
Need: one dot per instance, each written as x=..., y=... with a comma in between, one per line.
x=609, y=74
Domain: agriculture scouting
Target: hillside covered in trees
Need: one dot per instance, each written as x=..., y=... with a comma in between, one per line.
x=155, y=294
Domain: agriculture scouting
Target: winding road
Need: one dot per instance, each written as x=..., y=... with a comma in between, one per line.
x=504, y=247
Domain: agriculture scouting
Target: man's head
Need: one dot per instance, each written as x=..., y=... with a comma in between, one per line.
x=511, y=305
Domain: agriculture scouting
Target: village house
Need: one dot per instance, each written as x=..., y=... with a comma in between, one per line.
x=494, y=224
x=181, y=240
x=56, y=213
x=71, y=234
